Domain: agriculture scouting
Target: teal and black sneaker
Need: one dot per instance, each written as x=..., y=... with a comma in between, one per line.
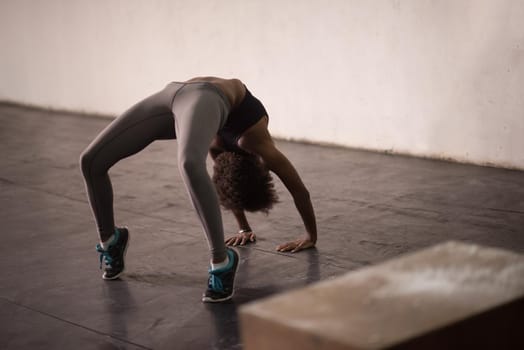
x=221, y=283
x=114, y=256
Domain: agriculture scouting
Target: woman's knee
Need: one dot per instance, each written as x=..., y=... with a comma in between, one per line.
x=191, y=165
x=86, y=161
x=90, y=163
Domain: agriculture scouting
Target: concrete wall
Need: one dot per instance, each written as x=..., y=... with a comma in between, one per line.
x=430, y=78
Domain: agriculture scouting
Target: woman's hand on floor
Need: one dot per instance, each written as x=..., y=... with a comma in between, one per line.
x=241, y=238
x=296, y=245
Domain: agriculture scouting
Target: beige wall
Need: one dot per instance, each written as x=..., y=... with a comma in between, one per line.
x=429, y=78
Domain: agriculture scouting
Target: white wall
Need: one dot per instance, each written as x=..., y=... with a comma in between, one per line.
x=431, y=78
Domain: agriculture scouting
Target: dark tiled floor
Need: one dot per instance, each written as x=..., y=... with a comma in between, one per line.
x=370, y=207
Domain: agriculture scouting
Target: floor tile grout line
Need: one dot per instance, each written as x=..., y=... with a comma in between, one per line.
x=505, y=210
x=73, y=323
x=384, y=205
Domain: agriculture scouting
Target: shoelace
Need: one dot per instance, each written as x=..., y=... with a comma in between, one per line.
x=104, y=255
x=215, y=282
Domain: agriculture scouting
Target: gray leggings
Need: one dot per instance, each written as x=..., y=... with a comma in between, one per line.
x=190, y=112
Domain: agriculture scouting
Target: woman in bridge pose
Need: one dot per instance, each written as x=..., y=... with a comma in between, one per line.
x=205, y=114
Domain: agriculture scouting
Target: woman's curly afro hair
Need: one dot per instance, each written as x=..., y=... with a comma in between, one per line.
x=243, y=183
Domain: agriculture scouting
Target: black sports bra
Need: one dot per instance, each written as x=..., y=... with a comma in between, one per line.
x=241, y=118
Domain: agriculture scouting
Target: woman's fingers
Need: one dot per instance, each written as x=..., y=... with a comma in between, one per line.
x=232, y=241
x=298, y=247
x=295, y=246
x=287, y=246
x=241, y=239
x=303, y=245
x=238, y=239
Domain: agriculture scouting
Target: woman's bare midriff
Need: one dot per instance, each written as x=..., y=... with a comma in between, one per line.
x=234, y=89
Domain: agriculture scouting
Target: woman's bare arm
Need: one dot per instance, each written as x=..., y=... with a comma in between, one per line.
x=258, y=141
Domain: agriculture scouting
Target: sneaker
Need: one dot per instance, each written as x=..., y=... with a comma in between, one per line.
x=113, y=257
x=221, y=282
